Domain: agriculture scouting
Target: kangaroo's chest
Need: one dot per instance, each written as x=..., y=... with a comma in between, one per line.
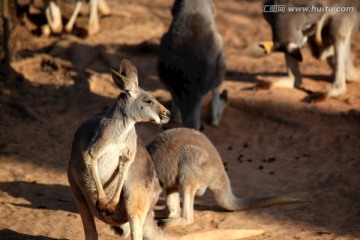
x=108, y=163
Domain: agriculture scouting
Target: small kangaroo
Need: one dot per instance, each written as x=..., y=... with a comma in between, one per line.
x=134, y=213
x=191, y=62
x=328, y=34
x=186, y=163
x=104, y=146
x=54, y=18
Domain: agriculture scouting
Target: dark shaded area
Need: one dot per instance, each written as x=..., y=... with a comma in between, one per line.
x=8, y=234
x=41, y=196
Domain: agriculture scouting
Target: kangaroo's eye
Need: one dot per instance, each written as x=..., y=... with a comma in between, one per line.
x=148, y=101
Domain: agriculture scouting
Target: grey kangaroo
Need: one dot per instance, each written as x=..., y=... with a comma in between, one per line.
x=328, y=34
x=186, y=163
x=191, y=62
x=103, y=148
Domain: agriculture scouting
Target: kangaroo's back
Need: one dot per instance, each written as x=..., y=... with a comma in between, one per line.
x=165, y=148
x=189, y=51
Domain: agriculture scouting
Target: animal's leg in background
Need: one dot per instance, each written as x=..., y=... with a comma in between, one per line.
x=173, y=202
x=339, y=86
x=175, y=110
x=218, y=100
x=294, y=76
x=188, y=195
x=53, y=16
x=187, y=215
x=104, y=8
x=218, y=103
x=70, y=25
x=191, y=112
x=94, y=25
x=352, y=72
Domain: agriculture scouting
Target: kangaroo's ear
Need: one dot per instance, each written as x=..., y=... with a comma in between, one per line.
x=122, y=82
x=126, y=79
x=128, y=70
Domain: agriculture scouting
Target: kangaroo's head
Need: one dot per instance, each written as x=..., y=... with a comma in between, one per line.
x=135, y=103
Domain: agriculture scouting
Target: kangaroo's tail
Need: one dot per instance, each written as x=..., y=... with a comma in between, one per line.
x=224, y=234
x=261, y=202
x=152, y=231
x=319, y=27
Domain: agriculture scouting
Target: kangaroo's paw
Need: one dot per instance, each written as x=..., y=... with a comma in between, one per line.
x=353, y=75
x=101, y=205
x=111, y=207
x=335, y=92
x=174, y=222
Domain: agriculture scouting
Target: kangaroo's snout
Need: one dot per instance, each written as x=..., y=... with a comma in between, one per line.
x=164, y=116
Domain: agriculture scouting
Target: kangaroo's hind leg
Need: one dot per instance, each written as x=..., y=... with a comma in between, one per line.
x=137, y=207
x=188, y=192
x=94, y=25
x=218, y=100
x=190, y=158
x=175, y=109
x=218, y=103
x=352, y=72
x=86, y=216
x=104, y=8
x=294, y=76
x=342, y=41
x=173, y=202
x=70, y=24
x=53, y=17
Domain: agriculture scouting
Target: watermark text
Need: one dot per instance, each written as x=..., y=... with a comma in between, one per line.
x=306, y=9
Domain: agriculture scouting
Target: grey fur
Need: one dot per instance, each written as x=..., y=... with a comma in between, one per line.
x=113, y=135
x=191, y=61
x=187, y=163
x=292, y=30
x=104, y=148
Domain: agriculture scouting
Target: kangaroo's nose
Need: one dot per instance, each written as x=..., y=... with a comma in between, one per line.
x=165, y=116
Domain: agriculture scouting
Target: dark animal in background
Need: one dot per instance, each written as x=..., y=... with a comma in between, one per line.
x=191, y=62
x=328, y=34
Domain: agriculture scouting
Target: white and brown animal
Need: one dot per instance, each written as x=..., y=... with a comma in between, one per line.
x=329, y=35
x=187, y=163
x=191, y=62
x=103, y=148
x=54, y=17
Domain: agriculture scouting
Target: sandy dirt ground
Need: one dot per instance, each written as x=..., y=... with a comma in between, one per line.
x=271, y=141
